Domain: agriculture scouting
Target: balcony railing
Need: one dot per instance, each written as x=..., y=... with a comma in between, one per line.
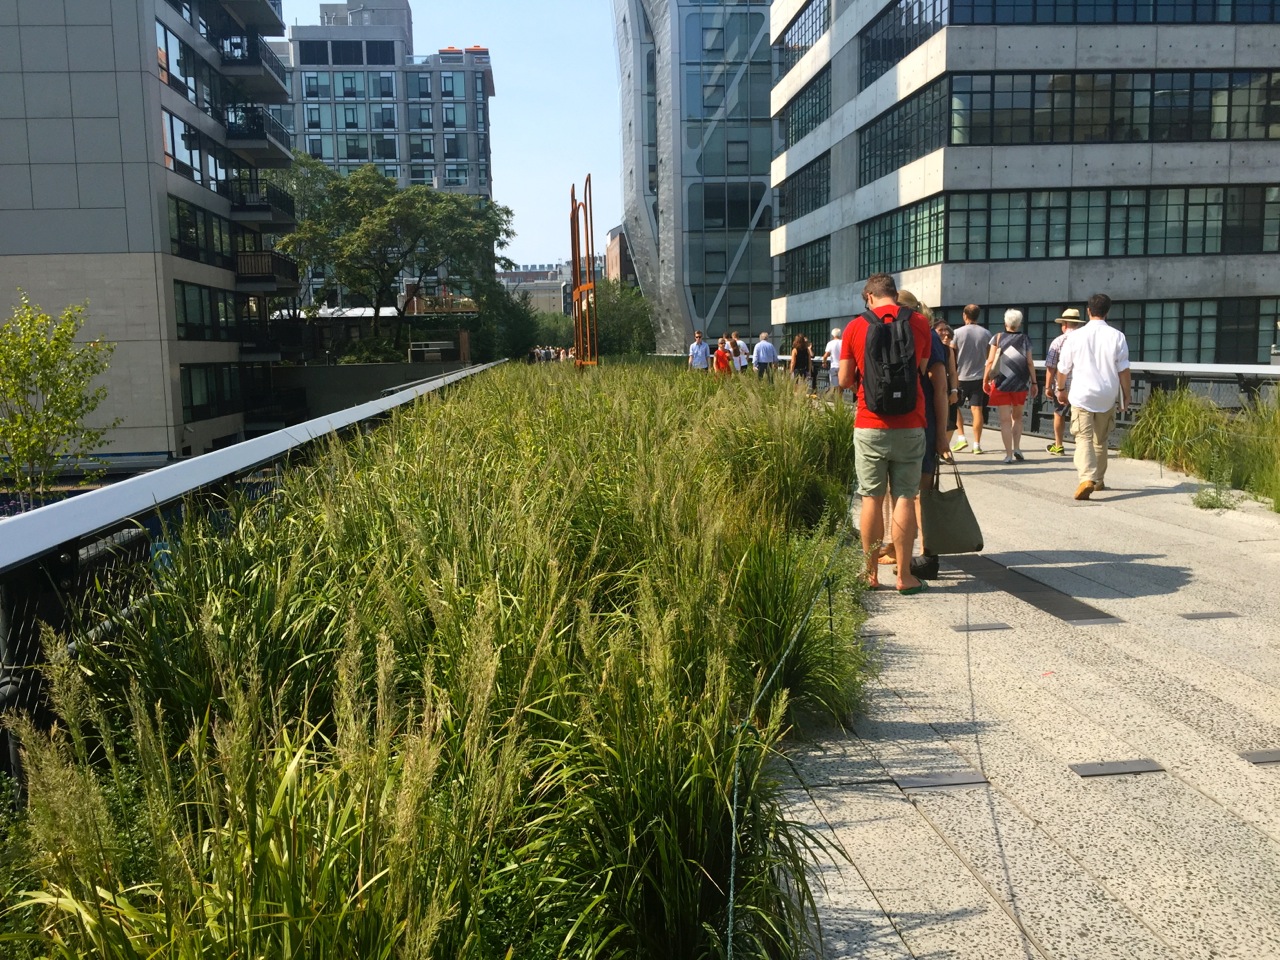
x=251, y=50
x=257, y=195
x=251, y=122
x=266, y=265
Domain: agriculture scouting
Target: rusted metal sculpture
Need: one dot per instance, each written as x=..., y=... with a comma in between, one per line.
x=582, y=246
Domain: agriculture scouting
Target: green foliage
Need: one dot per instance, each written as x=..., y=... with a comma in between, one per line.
x=624, y=320
x=47, y=395
x=477, y=685
x=1231, y=449
x=553, y=328
x=372, y=350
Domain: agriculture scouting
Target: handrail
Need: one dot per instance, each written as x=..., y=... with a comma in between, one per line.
x=251, y=48
x=249, y=121
x=32, y=535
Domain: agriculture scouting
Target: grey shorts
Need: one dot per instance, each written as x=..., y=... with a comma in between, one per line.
x=888, y=461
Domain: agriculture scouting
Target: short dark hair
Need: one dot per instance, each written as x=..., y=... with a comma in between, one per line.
x=971, y=312
x=880, y=285
x=1099, y=305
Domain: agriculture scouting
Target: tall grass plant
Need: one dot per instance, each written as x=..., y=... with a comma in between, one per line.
x=478, y=684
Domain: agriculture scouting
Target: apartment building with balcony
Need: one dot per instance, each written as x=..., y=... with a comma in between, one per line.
x=132, y=133
x=696, y=138
x=1029, y=154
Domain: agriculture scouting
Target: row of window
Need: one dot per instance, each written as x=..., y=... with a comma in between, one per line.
x=982, y=109
x=805, y=190
x=453, y=116
x=726, y=206
x=447, y=175
x=209, y=390
x=1048, y=224
x=188, y=73
x=721, y=36
x=732, y=92
x=813, y=20
x=357, y=85
x=727, y=147
x=204, y=313
x=806, y=268
x=192, y=154
x=197, y=234
x=1230, y=330
x=807, y=109
x=344, y=53
x=907, y=24
x=362, y=147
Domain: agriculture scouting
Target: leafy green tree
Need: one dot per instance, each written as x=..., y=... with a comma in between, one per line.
x=624, y=319
x=46, y=396
x=554, y=328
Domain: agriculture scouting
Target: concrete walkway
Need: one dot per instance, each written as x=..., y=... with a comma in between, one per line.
x=1040, y=862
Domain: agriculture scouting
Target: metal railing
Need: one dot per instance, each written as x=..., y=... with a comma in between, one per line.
x=257, y=194
x=55, y=557
x=250, y=49
x=265, y=264
x=252, y=122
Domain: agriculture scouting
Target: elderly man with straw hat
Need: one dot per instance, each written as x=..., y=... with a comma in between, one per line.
x=1070, y=320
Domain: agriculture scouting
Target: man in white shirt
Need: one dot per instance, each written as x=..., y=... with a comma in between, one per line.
x=831, y=356
x=764, y=356
x=699, y=353
x=1096, y=359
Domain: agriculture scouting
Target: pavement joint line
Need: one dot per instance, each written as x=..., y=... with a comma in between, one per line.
x=1261, y=757
x=1116, y=768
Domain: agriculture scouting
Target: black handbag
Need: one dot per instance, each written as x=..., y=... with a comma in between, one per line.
x=948, y=525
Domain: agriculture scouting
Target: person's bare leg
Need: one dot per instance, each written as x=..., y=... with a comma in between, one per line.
x=1006, y=429
x=926, y=483
x=977, y=413
x=1016, y=416
x=904, y=535
x=1059, y=428
x=871, y=522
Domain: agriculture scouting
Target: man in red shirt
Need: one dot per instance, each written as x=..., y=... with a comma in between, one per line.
x=889, y=449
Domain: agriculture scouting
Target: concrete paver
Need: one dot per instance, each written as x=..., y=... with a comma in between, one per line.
x=1041, y=862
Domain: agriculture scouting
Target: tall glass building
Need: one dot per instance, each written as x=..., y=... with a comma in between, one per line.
x=1029, y=154
x=697, y=143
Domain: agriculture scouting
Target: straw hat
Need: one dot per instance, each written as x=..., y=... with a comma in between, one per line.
x=1070, y=315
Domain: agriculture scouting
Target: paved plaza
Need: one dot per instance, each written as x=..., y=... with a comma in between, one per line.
x=1171, y=655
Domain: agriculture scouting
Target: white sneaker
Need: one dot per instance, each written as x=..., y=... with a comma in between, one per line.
x=977, y=449
x=1008, y=459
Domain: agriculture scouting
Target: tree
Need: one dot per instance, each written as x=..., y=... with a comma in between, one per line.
x=624, y=319
x=46, y=396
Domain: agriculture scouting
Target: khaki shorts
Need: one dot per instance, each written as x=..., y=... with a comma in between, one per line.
x=888, y=460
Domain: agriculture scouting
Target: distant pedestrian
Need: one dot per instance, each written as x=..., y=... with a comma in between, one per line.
x=1010, y=374
x=1069, y=321
x=831, y=360
x=723, y=360
x=1096, y=359
x=947, y=336
x=699, y=353
x=972, y=343
x=801, y=358
x=764, y=356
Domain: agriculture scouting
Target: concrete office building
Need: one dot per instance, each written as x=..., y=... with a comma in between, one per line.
x=696, y=140
x=1030, y=154
x=131, y=133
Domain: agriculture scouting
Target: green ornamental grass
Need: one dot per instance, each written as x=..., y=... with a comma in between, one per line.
x=498, y=679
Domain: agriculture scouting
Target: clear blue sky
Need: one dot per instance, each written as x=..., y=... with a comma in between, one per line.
x=550, y=61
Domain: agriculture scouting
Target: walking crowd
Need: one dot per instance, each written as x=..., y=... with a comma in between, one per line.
x=912, y=376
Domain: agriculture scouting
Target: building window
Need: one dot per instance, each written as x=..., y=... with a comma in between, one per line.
x=810, y=107
x=914, y=128
x=803, y=32
x=180, y=68
x=424, y=176
x=320, y=148
x=313, y=53
x=380, y=52
x=191, y=154
x=453, y=85
x=209, y=390
x=355, y=148
x=204, y=313
x=455, y=175
x=420, y=118
x=347, y=53
x=907, y=238
x=384, y=118
x=480, y=119
x=350, y=85
x=315, y=86
x=382, y=86
x=482, y=175
x=353, y=118
x=384, y=148
x=422, y=148
x=805, y=190
x=453, y=116
x=807, y=268
x=197, y=234
x=479, y=84
x=419, y=86
x=455, y=147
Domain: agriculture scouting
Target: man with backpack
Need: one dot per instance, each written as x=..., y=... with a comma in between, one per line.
x=883, y=355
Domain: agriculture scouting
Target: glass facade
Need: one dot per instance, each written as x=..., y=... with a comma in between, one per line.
x=1047, y=224
x=204, y=313
x=984, y=109
x=197, y=234
x=805, y=190
x=906, y=24
x=209, y=390
x=727, y=135
x=803, y=32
